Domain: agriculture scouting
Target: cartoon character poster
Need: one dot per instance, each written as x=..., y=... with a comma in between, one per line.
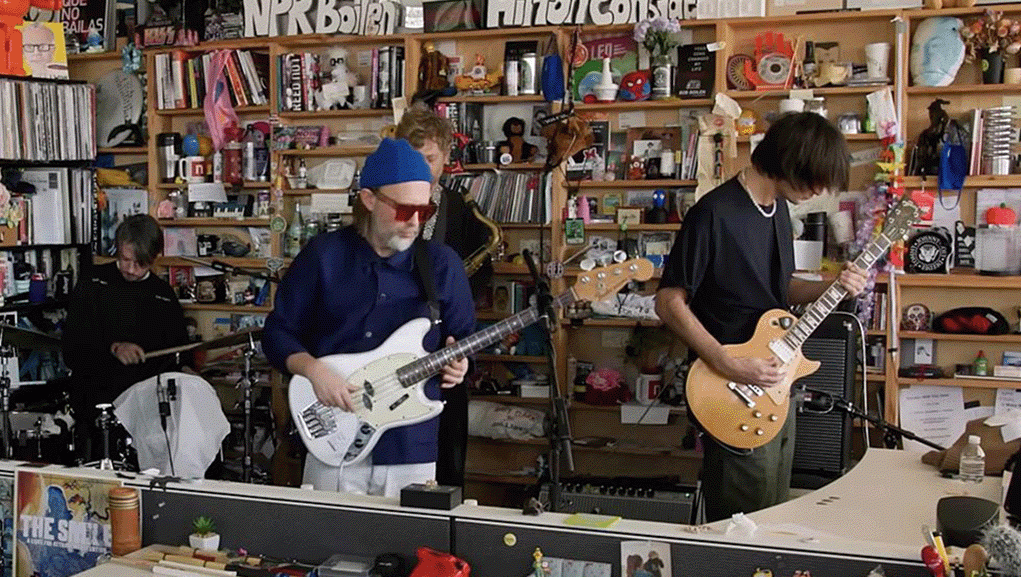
x=42, y=45
x=62, y=526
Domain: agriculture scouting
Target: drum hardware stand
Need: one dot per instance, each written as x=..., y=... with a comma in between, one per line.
x=246, y=383
x=106, y=421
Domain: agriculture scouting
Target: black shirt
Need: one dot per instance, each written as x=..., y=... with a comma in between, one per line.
x=733, y=263
x=105, y=309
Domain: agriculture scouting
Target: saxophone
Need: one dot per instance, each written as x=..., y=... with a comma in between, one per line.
x=491, y=248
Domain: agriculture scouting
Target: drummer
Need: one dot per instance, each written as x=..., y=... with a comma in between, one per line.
x=116, y=314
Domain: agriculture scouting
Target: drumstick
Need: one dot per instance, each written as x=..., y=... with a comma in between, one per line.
x=171, y=350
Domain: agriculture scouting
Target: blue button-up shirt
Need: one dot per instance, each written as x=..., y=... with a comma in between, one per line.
x=339, y=296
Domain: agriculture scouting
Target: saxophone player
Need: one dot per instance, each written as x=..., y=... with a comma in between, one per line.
x=461, y=226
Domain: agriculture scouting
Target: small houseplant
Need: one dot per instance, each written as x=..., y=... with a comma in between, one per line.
x=204, y=535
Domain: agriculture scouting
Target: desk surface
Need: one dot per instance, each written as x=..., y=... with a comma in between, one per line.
x=875, y=510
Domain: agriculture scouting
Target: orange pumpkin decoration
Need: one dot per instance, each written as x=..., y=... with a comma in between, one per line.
x=1001, y=215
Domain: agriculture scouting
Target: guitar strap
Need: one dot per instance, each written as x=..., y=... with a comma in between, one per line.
x=425, y=275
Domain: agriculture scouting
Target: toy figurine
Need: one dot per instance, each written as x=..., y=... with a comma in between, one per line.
x=432, y=70
x=94, y=40
x=515, y=146
x=479, y=80
x=929, y=141
x=635, y=86
x=11, y=15
x=636, y=170
x=337, y=93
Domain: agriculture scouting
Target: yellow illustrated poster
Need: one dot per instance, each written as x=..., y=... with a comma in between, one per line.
x=42, y=44
x=62, y=522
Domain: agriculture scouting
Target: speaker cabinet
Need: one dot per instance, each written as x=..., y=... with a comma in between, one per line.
x=822, y=443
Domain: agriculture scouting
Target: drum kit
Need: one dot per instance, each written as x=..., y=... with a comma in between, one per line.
x=42, y=436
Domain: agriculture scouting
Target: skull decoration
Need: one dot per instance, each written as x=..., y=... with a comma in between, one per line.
x=916, y=318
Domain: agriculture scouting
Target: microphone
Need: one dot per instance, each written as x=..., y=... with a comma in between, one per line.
x=164, y=404
x=1003, y=543
x=817, y=401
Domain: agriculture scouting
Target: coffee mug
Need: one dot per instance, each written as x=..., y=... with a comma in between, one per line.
x=647, y=388
x=876, y=57
x=792, y=105
x=192, y=168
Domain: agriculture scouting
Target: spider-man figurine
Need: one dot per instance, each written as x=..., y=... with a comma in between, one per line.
x=12, y=14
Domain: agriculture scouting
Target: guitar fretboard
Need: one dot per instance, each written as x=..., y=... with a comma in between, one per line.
x=824, y=305
x=427, y=366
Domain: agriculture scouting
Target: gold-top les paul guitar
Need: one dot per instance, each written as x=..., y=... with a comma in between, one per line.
x=748, y=416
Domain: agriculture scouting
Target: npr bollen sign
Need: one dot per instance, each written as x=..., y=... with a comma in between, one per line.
x=290, y=17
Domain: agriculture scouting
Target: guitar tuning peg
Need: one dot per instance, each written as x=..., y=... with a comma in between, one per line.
x=587, y=264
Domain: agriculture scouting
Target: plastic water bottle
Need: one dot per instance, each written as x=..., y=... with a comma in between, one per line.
x=973, y=461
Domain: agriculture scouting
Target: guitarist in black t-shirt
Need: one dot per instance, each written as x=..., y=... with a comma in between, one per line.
x=732, y=261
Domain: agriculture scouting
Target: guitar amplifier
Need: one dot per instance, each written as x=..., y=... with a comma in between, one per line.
x=629, y=498
x=822, y=442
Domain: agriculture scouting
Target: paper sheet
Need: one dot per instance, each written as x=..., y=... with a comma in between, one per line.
x=934, y=413
x=1008, y=403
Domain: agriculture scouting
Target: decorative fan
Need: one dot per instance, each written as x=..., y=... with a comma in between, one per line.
x=735, y=72
x=119, y=107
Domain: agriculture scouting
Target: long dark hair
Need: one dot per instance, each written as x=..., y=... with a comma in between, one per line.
x=804, y=150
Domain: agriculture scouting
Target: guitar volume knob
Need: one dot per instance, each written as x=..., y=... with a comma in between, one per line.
x=759, y=432
x=773, y=418
x=757, y=414
x=744, y=427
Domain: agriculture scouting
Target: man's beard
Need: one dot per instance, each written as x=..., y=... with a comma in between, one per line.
x=399, y=243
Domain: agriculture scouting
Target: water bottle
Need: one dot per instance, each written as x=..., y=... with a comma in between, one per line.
x=973, y=461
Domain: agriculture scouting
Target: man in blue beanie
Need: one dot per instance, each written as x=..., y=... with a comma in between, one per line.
x=348, y=290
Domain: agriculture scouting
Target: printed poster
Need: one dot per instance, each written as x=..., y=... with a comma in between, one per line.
x=43, y=50
x=62, y=526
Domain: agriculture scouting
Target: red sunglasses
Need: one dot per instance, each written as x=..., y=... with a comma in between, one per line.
x=404, y=212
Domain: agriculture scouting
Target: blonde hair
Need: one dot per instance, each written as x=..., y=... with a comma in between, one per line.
x=420, y=124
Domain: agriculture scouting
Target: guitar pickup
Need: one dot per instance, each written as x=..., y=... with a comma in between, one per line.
x=399, y=401
x=744, y=396
x=367, y=400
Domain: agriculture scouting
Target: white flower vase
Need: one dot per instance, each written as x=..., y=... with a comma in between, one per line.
x=209, y=541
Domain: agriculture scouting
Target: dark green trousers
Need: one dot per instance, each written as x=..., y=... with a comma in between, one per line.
x=733, y=482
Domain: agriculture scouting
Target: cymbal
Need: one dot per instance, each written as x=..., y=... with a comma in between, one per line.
x=27, y=339
x=238, y=338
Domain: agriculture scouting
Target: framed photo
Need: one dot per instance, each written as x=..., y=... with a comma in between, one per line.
x=610, y=203
x=629, y=215
x=574, y=231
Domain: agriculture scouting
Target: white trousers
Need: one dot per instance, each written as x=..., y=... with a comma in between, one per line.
x=365, y=478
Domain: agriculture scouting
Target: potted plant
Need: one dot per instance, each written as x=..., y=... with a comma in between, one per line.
x=987, y=38
x=659, y=36
x=204, y=535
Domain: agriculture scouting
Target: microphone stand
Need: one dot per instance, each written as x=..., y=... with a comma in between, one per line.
x=560, y=425
x=229, y=268
x=247, y=380
x=890, y=432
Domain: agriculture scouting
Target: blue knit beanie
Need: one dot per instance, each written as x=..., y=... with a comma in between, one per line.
x=393, y=162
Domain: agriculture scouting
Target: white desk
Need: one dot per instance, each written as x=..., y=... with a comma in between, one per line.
x=875, y=511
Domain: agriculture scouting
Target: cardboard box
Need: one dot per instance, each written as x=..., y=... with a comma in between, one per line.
x=791, y=7
x=635, y=414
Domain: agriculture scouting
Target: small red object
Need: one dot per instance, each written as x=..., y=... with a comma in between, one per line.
x=933, y=561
